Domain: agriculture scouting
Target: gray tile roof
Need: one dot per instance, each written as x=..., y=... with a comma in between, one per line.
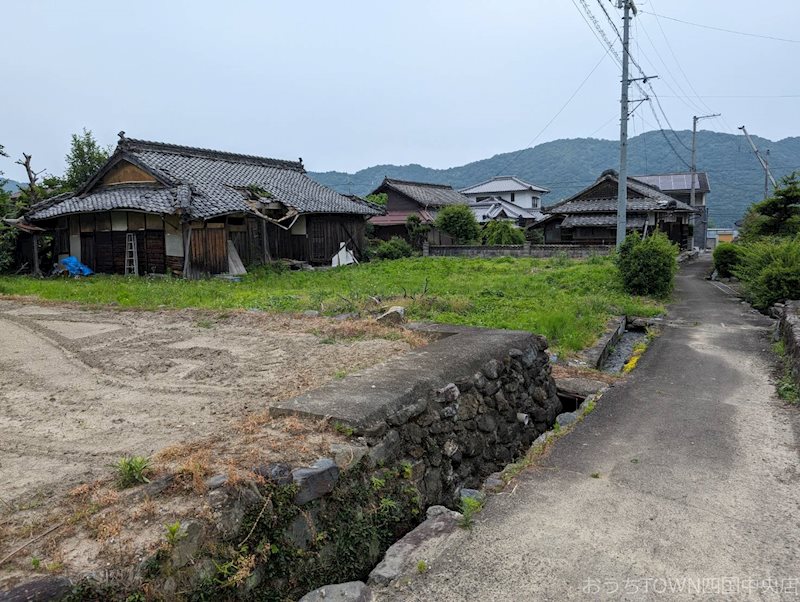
x=677, y=182
x=427, y=195
x=601, y=220
x=652, y=199
x=152, y=200
x=489, y=209
x=604, y=205
x=502, y=184
x=207, y=183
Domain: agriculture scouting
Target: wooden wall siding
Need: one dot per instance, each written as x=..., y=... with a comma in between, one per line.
x=151, y=249
x=87, y=250
x=174, y=264
x=125, y=172
x=400, y=202
x=283, y=245
x=104, y=252
x=607, y=190
x=327, y=232
x=208, y=250
x=247, y=240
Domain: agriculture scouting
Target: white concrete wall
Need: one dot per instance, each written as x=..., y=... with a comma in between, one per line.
x=524, y=198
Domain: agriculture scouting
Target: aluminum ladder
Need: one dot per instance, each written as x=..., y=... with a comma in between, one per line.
x=131, y=255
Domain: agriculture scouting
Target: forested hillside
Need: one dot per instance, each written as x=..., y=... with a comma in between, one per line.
x=565, y=166
x=10, y=185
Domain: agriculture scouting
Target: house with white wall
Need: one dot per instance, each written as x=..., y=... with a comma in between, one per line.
x=508, y=188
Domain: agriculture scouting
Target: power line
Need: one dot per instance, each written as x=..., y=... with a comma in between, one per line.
x=601, y=31
x=734, y=96
x=554, y=117
x=694, y=106
x=688, y=81
x=741, y=33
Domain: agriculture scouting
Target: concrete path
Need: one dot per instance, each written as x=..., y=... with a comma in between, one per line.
x=698, y=489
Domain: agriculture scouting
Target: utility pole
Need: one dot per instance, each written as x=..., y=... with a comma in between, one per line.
x=622, y=194
x=764, y=164
x=699, y=237
x=695, y=119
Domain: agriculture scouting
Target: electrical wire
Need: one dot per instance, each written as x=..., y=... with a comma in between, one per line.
x=741, y=33
x=554, y=117
x=603, y=39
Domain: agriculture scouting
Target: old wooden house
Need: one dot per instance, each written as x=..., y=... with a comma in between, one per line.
x=590, y=216
x=196, y=211
x=413, y=198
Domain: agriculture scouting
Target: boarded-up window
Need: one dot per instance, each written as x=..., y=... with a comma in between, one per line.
x=154, y=222
x=135, y=221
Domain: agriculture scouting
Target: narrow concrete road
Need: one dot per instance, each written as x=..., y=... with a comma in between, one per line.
x=695, y=493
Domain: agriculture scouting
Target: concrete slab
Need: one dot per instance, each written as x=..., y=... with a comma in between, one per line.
x=366, y=398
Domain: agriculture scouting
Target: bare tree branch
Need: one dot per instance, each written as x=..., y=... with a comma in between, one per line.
x=33, y=177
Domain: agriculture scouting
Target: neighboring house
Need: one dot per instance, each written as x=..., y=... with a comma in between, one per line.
x=413, y=198
x=508, y=188
x=590, y=216
x=497, y=208
x=679, y=187
x=193, y=211
x=718, y=235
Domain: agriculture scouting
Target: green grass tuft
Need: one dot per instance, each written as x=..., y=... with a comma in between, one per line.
x=132, y=470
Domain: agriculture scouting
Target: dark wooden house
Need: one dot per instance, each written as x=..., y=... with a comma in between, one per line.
x=191, y=210
x=590, y=216
x=679, y=186
x=413, y=198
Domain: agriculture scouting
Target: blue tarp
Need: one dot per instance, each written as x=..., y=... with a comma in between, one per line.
x=75, y=267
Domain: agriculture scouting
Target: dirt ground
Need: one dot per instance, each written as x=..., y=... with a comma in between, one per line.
x=80, y=388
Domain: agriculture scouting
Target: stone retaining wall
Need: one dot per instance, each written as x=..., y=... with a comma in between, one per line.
x=454, y=412
x=526, y=250
x=421, y=428
x=789, y=328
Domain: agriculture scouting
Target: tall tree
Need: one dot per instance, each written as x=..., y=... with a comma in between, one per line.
x=779, y=215
x=85, y=157
x=8, y=235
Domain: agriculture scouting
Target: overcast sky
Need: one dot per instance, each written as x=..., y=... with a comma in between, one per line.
x=349, y=84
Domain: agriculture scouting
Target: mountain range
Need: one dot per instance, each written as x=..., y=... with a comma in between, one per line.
x=11, y=185
x=568, y=165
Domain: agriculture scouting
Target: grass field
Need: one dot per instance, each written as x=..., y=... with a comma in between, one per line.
x=568, y=301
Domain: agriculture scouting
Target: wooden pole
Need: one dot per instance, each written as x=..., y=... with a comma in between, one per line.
x=187, y=262
x=35, y=241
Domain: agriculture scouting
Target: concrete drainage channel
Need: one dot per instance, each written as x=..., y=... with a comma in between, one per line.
x=451, y=421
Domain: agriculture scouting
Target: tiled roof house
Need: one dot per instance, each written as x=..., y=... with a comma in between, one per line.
x=190, y=209
x=412, y=198
x=590, y=216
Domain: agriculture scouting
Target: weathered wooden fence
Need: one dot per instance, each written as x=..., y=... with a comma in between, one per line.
x=524, y=250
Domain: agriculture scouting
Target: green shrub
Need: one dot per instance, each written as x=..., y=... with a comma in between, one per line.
x=417, y=231
x=535, y=236
x=502, y=232
x=770, y=270
x=459, y=222
x=648, y=266
x=726, y=258
x=394, y=248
